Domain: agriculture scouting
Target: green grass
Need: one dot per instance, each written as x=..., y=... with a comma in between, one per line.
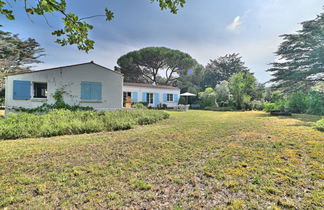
x=195, y=159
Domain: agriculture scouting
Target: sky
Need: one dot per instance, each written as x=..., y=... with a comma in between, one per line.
x=205, y=29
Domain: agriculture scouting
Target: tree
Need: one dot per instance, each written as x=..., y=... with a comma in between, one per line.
x=76, y=29
x=151, y=63
x=223, y=68
x=192, y=80
x=242, y=86
x=207, y=98
x=300, y=58
x=15, y=53
x=222, y=93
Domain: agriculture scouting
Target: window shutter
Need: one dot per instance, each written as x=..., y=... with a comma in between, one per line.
x=95, y=91
x=91, y=91
x=156, y=98
x=165, y=97
x=144, y=99
x=135, y=97
x=21, y=89
x=85, y=91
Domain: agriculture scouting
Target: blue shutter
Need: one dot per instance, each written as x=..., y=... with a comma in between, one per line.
x=176, y=98
x=21, y=89
x=85, y=91
x=135, y=97
x=156, y=99
x=144, y=97
x=96, y=91
x=91, y=91
x=165, y=97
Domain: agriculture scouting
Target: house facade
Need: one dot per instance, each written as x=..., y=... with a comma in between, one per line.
x=152, y=95
x=86, y=84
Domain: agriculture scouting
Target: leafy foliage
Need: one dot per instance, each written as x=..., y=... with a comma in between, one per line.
x=222, y=94
x=241, y=87
x=301, y=58
x=62, y=122
x=207, y=98
x=15, y=53
x=315, y=103
x=76, y=29
x=297, y=103
x=319, y=125
x=222, y=68
x=145, y=65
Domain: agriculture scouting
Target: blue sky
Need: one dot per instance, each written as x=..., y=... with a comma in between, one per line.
x=206, y=29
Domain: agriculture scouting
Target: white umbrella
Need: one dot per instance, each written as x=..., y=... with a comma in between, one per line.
x=187, y=95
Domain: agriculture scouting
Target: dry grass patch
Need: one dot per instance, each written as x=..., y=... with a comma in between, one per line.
x=197, y=159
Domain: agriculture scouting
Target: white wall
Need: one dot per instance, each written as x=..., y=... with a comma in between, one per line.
x=69, y=79
x=161, y=91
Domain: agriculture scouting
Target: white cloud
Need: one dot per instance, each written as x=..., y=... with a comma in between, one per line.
x=235, y=24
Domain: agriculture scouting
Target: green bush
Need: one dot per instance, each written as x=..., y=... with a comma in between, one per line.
x=257, y=105
x=269, y=107
x=319, y=125
x=297, y=103
x=64, y=122
x=315, y=103
x=139, y=106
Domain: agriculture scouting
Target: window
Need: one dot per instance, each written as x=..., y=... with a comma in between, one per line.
x=40, y=90
x=149, y=98
x=169, y=97
x=127, y=96
x=91, y=91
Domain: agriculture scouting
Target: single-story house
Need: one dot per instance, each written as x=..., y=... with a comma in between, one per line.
x=151, y=94
x=85, y=84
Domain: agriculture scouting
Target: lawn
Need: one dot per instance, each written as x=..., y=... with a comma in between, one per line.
x=195, y=159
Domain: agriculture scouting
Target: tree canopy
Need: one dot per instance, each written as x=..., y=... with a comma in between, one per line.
x=241, y=86
x=15, y=53
x=222, y=68
x=159, y=65
x=76, y=29
x=300, y=62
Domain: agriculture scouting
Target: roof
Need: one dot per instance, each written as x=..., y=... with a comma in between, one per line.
x=61, y=67
x=150, y=85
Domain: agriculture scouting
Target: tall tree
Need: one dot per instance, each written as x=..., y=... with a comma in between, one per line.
x=222, y=68
x=242, y=86
x=151, y=63
x=16, y=54
x=75, y=29
x=300, y=58
x=192, y=80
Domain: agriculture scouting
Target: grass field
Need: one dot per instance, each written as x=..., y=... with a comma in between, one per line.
x=196, y=159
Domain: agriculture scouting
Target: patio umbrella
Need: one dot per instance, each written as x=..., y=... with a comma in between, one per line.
x=187, y=95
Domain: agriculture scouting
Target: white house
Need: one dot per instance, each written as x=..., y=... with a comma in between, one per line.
x=86, y=84
x=153, y=95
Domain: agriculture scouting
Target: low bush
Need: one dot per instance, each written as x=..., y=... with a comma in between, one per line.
x=269, y=107
x=297, y=103
x=214, y=108
x=319, y=125
x=65, y=122
x=139, y=106
x=257, y=105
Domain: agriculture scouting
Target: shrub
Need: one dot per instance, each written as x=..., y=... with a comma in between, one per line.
x=207, y=98
x=269, y=107
x=319, y=125
x=64, y=122
x=315, y=103
x=257, y=105
x=296, y=103
x=139, y=106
